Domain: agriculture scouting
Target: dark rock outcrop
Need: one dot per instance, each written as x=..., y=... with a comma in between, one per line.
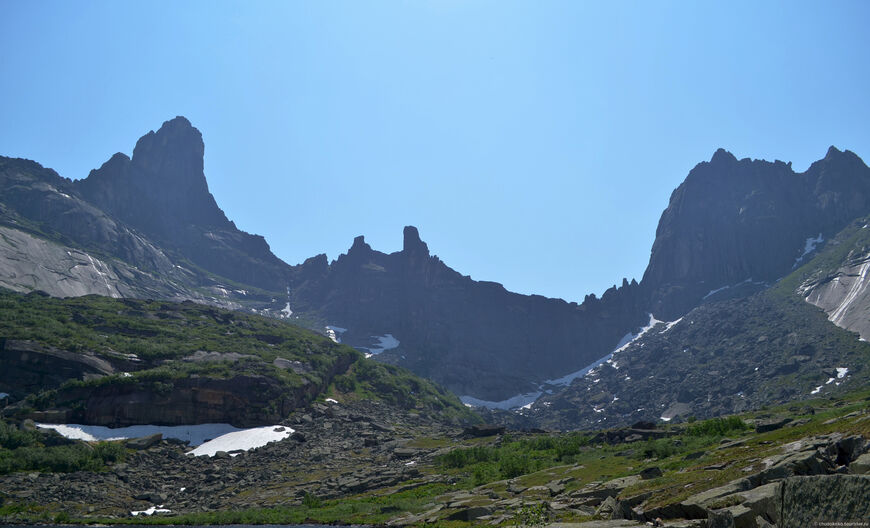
x=474, y=337
x=736, y=220
x=162, y=191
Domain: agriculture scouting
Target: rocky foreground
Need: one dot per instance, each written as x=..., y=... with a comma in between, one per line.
x=361, y=462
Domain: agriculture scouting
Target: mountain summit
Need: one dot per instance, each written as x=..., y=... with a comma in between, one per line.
x=162, y=192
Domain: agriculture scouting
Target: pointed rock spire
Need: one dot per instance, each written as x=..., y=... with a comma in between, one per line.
x=412, y=242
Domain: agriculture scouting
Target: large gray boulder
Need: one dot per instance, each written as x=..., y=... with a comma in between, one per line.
x=807, y=501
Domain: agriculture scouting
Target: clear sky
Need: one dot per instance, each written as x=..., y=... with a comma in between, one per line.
x=532, y=143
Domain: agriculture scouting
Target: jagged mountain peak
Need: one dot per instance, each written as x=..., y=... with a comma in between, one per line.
x=411, y=241
x=172, y=155
x=722, y=156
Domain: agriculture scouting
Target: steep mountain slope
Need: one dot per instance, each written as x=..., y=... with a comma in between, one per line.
x=147, y=226
x=96, y=360
x=161, y=191
x=734, y=221
x=727, y=356
x=839, y=284
x=52, y=239
x=476, y=338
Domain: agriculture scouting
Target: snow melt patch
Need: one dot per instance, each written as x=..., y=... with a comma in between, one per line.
x=723, y=288
x=817, y=389
x=841, y=372
x=244, y=440
x=150, y=511
x=623, y=343
x=195, y=434
x=518, y=401
x=286, y=311
x=809, y=247
x=334, y=332
x=385, y=342
x=670, y=325
x=664, y=419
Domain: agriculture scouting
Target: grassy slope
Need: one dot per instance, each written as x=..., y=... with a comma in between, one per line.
x=162, y=333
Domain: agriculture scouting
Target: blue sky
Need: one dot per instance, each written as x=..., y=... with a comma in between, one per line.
x=532, y=143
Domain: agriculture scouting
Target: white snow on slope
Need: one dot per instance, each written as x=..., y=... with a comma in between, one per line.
x=245, y=440
x=747, y=281
x=524, y=400
x=385, y=342
x=841, y=372
x=520, y=400
x=286, y=311
x=334, y=332
x=150, y=511
x=195, y=434
x=809, y=247
x=671, y=325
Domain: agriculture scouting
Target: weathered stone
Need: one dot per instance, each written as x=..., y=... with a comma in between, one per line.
x=861, y=465
x=720, y=519
x=469, y=514
x=771, y=424
x=651, y=473
x=144, y=442
x=807, y=500
x=481, y=430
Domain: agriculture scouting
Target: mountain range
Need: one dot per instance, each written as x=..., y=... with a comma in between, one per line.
x=753, y=268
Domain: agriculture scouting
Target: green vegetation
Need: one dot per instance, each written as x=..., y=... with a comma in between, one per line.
x=34, y=451
x=159, y=342
x=717, y=427
x=512, y=458
x=368, y=509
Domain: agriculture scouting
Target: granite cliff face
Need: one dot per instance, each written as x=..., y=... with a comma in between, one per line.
x=474, y=337
x=162, y=192
x=748, y=221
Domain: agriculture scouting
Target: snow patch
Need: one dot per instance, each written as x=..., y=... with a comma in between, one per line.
x=717, y=290
x=665, y=419
x=520, y=400
x=150, y=511
x=809, y=247
x=195, y=434
x=841, y=372
x=817, y=389
x=330, y=400
x=623, y=343
x=286, y=311
x=385, y=342
x=670, y=325
x=334, y=332
x=830, y=380
x=244, y=440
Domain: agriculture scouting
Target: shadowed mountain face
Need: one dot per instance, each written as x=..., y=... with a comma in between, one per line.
x=474, y=337
x=147, y=226
x=732, y=221
x=163, y=193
